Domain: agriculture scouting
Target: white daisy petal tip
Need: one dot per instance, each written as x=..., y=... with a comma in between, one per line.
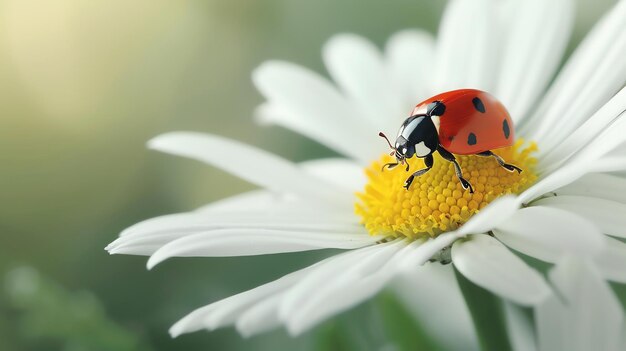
x=112, y=250
x=163, y=142
x=243, y=330
x=189, y=323
x=408, y=36
x=114, y=245
x=176, y=330
x=295, y=329
x=109, y=248
x=269, y=72
x=159, y=256
x=342, y=52
x=118, y=246
x=266, y=69
x=183, y=327
x=154, y=260
x=343, y=41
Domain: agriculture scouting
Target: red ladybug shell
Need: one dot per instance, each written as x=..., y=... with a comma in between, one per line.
x=473, y=121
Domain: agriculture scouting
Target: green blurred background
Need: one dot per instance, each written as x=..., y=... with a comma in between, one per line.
x=83, y=85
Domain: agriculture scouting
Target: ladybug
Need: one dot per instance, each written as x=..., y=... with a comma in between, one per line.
x=462, y=122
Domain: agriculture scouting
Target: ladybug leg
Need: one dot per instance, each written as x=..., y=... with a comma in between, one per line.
x=428, y=161
x=389, y=166
x=501, y=162
x=448, y=156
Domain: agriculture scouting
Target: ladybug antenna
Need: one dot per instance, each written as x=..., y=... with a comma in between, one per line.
x=382, y=135
x=404, y=161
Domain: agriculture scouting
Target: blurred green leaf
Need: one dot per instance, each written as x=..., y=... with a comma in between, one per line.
x=332, y=337
x=487, y=313
x=401, y=328
x=75, y=321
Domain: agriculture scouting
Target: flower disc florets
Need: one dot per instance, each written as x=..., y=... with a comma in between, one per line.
x=436, y=202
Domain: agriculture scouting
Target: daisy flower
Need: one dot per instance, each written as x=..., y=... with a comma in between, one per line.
x=568, y=200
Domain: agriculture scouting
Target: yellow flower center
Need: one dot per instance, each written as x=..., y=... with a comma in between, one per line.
x=436, y=202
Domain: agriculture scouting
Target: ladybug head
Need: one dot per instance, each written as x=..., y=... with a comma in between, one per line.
x=417, y=137
x=399, y=151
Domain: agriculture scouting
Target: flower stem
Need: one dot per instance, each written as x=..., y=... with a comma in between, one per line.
x=487, y=314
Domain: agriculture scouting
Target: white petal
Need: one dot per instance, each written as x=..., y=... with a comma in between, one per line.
x=439, y=308
x=586, y=133
x=532, y=51
x=306, y=103
x=590, y=318
x=266, y=203
x=520, y=328
x=428, y=249
x=261, y=317
x=338, y=171
x=146, y=237
x=251, y=200
x=145, y=241
x=246, y=242
x=606, y=214
x=557, y=179
x=582, y=162
x=467, y=46
x=410, y=56
x=604, y=186
x=357, y=66
x=327, y=270
x=612, y=260
x=249, y=163
x=348, y=287
x=592, y=75
x=609, y=164
x=226, y=311
x=140, y=248
x=192, y=222
x=547, y=233
x=607, y=141
x=257, y=209
x=270, y=203
x=488, y=263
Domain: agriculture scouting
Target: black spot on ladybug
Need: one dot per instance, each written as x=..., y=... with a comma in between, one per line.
x=451, y=137
x=478, y=105
x=506, y=129
x=435, y=108
x=471, y=139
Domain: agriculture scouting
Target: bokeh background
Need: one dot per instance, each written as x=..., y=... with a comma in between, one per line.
x=83, y=85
